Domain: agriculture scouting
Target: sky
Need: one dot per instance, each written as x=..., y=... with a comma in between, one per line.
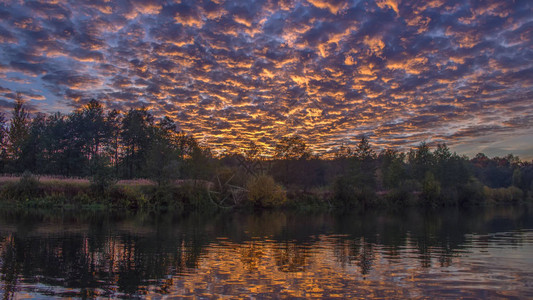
x=231, y=72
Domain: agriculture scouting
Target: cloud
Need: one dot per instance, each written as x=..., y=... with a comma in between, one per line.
x=402, y=71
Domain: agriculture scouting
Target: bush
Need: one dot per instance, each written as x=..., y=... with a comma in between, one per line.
x=166, y=198
x=430, y=190
x=125, y=196
x=510, y=194
x=471, y=193
x=263, y=191
x=195, y=197
x=399, y=197
x=23, y=190
x=346, y=194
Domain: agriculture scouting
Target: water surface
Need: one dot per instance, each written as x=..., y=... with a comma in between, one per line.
x=479, y=253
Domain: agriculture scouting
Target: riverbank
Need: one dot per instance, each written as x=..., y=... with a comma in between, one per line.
x=261, y=193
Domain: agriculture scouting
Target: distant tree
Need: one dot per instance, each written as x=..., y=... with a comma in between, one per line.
x=442, y=154
x=199, y=163
x=392, y=168
x=430, y=189
x=364, y=151
x=442, y=158
x=252, y=153
x=290, y=148
x=94, y=128
x=421, y=160
x=33, y=150
x=517, y=178
x=18, y=129
x=163, y=159
x=76, y=141
x=343, y=152
x=137, y=128
x=167, y=127
x=102, y=175
x=57, y=145
x=3, y=142
x=113, y=121
x=363, y=166
x=480, y=160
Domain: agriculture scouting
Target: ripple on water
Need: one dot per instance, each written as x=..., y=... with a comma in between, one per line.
x=352, y=262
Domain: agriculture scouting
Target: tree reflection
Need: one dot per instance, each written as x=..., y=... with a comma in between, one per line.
x=121, y=256
x=290, y=257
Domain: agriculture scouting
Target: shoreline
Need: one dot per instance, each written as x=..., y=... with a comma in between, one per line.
x=186, y=196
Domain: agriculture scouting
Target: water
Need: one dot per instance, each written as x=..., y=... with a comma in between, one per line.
x=477, y=253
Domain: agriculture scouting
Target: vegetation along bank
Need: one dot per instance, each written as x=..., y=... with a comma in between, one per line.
x=105, y=158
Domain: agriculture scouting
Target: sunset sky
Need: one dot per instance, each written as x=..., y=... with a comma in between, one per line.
x=228, y=72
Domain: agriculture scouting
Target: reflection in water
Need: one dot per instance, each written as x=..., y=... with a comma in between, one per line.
x=404, y=254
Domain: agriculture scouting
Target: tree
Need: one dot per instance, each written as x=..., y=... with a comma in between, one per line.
x=442, y=154
x=93, y=130
x=430, y=189
x=32, y=152
x=364, y=151
x=137, y=127
x=343, y=152
x=3, y=142
x=162, y=163
x=392, y=167
x=18, y=129
x=421, y=160
x=113, y=121
x=364, y=165
x=289, y=148
x=517, y=178
x=57, y=145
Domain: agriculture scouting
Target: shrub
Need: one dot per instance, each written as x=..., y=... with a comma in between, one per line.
x=125, y=196
x=346, y=194
x=471, y=192
x=166, y=197
x=263, y=191
x=510, y=194
x=399, y=197
x=28, y=185
x=23, y=190
x=430, y=189
x=195, y=197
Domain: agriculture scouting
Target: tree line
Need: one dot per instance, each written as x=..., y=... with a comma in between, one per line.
x=128, y=145
x=108, y=145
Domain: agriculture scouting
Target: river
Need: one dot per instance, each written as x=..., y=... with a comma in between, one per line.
x=446, y=253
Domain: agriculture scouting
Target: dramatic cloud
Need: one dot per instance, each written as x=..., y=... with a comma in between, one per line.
x=233, y=71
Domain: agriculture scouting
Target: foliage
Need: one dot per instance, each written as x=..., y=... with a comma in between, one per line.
x=471, y=193
x=430, y=189
x=18, y=128
x=103, y=176
x=195, y=197
x=162, y=163
x=263, y=191
x=292, y=147
x=503, y=195
x=347, y=194
x=107, y=145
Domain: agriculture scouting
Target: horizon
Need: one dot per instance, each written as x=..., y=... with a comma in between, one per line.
x=230, y=72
